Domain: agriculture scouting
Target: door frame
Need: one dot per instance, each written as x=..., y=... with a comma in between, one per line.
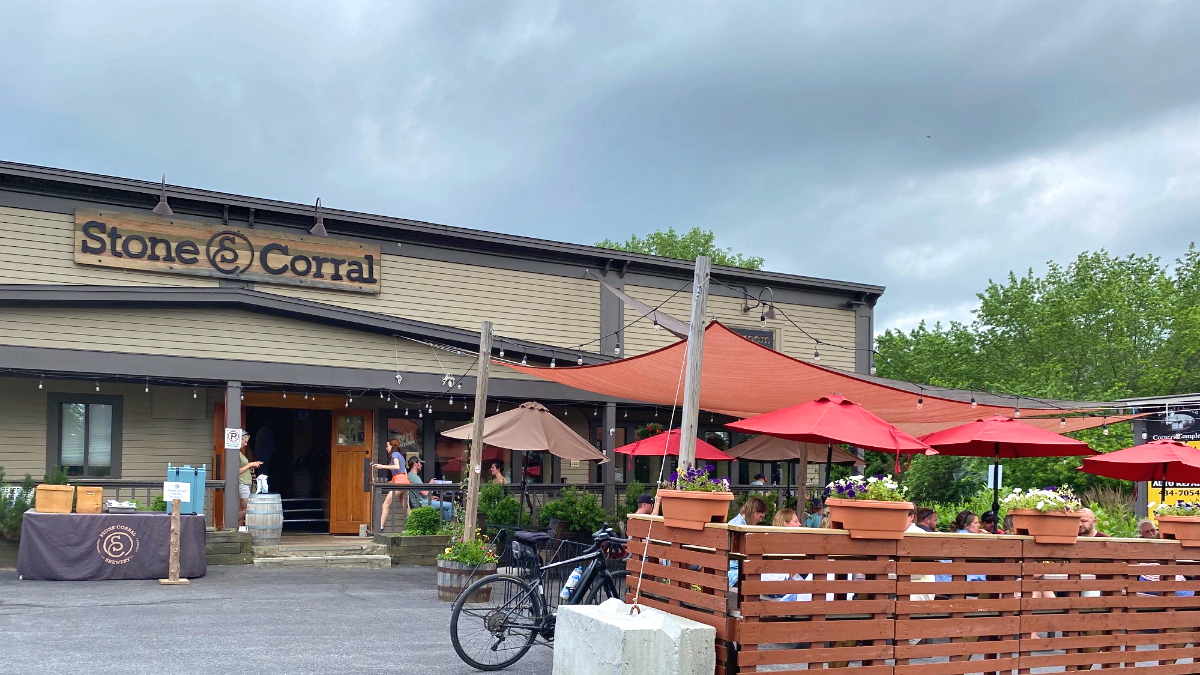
x=367, y=477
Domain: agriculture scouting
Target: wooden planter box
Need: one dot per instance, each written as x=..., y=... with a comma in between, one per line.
x=693, y=510
x=1184, y=529
x=1052, y=527
x=868, y=518
x=453, y=577
x=412, y=550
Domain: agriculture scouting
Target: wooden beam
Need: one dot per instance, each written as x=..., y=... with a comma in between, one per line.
x=474, y=468
x=695, y=360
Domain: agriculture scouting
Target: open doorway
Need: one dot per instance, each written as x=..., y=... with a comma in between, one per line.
x=294, y=447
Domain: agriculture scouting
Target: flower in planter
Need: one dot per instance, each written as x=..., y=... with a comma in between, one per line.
x=877, y=488
x=1187, y=509
x=695, y=479
x=470, y=551
x=1044, y=500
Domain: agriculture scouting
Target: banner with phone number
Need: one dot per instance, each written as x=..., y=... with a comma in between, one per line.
x=1182, y=427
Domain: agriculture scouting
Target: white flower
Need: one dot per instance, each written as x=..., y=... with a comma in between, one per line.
x=1040, y=505
x=872, y=479
x=1152, y=505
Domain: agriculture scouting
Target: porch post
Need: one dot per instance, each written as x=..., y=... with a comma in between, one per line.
x=610, y=443
x=233, y=420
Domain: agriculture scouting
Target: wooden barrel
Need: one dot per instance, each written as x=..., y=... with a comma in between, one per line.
x=453, y=577
x=264, y=518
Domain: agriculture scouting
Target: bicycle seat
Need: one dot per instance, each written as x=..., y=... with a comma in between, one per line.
x=531, y=538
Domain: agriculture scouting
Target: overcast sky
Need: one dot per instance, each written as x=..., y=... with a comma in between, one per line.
x=925, y=147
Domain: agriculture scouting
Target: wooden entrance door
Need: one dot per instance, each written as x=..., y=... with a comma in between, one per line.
x=350, y=471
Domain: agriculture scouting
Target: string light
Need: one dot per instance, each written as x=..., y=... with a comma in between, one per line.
x=524, y=360
x=464, y=404
x=579, y=361
x=41, y=382
x=395, y=405
x=1062, y=422
x=381, y=396
x=459, y=385
x=497, y=406
x=305, y=395
x=97, y=385
x=816, y=355
x=501, y=350
x=973, y=403
x=627, y=414
x=564, y=411
x=285, y=393
x=193, y=392
x=1144, y=436
x=1104, y=426
x=656, y=413
x=451, y=400
x=429, y=407
x=617, y=349
x=552, y=363
x=420, y=413
x=241, y=397
x=597, y=413
x=920, y=402
x=656, y=326
x=406, y=411
x=349, y=399
x=147, y=385
x=1017, y=411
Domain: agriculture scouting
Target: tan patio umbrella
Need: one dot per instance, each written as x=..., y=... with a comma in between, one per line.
x=530, y=427
x=771, y=449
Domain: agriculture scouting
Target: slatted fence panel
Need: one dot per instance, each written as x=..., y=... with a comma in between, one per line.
x=684, y=572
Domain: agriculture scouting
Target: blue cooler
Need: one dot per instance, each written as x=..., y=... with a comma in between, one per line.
x=188, y=474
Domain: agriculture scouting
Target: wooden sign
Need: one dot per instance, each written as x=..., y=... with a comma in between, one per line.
x=151, y=243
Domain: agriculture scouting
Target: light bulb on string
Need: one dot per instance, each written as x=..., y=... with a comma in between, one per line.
x=347, y=403
x=1017, y=411
x=710, y=418
x=1144, y=436
x=97, y=385
x=147, y=385
x=597, y=413
x=451, y=400
x=579, y=361
x=656, y=326
x=406, y=411
x=1062, y=422
x=193, y=392
x=420, y=413
x=497, y=406
x=464, y=404
x=459, y=385
x=973, y=403
x=920, y=402
x=381, y=396
x=552, y=362
x=1104, y=425
x=395, y=405
x=816, y=355
x=41, y=382
x=501, y=350
x=306, y=396
x=285, y=393
x=626, y=414
x=617, y=349
x=350, y=399
x=241, y=397
x=429, y=407
x=524, y=359
x=564, y=411
x=656, y=413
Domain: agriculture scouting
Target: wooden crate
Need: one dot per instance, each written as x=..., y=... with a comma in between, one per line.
x=54, y=498
x=88, y=499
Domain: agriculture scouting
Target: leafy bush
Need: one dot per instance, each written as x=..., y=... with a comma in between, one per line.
x=581, y=510
x=159, y=504
x=13, y=512
x=940, y=478
x=497, y=506
x=1115, y=521
x=648, y=430
x=423, y=521
x=57, y=476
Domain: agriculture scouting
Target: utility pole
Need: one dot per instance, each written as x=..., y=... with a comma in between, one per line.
x=474, y=466
x=695, y=361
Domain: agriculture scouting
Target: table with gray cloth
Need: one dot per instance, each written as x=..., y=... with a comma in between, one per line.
x=86, y=546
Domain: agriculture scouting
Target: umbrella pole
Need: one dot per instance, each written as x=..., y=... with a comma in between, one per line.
x=524, y=478
x=829, y=464
x=1162, y=496
x=996, y=482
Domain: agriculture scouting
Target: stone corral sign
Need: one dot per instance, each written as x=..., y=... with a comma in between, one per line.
x=150, y=243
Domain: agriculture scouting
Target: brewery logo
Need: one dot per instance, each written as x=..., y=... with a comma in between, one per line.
x=224, y=258
x=1180, y=421
x=117, y=544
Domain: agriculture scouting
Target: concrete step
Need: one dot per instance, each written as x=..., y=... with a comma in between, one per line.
x=320, y=550
x=360, y=561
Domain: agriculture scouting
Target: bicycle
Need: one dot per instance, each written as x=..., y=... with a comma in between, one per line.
x=512, y=612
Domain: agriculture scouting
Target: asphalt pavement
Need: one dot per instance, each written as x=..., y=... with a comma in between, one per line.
x=237, y=619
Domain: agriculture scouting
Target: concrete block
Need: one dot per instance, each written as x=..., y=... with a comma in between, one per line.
x=607, y=640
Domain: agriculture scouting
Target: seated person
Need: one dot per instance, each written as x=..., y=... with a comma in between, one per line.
x=419, y=498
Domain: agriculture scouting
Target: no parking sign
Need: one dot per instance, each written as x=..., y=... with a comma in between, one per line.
x=233, y=439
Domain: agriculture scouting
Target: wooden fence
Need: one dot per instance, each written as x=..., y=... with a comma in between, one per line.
x=929, y=604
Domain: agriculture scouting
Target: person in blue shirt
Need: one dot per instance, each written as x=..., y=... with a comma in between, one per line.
x=392, y=447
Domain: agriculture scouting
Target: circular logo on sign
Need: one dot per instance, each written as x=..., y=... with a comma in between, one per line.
x=222, y=252
x=117, y=544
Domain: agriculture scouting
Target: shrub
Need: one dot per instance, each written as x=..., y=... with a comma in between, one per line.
x=497, y=506
x=1115, y=521
x=769, y=497
x=423, y=521
x=159, y=504
x=14, y=506
x=581, y=510
x=57, y=476
x=469, y=552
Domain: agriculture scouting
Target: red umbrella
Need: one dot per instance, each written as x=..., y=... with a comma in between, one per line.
x=829, y=420
x=668, y=444
x=999, y=436
x=1150, y=461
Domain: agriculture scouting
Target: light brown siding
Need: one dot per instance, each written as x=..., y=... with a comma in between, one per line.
x=833, y=327
x=38, y=248
x=148, y=444
x=233, y=335
x=541, y=308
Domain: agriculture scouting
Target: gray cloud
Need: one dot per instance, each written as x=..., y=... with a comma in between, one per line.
x=925, y=147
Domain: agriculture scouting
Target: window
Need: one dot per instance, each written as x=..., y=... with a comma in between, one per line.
x=84, y=434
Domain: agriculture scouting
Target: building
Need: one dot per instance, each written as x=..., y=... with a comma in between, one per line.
x=131, y=339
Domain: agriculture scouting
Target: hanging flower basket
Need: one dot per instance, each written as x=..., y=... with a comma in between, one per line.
x=869, y=518
x=692, y=510
x=1050, y=527
x=1184, y=529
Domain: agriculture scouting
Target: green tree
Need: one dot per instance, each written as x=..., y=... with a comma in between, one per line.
x=686, y=246
x=1100, y=328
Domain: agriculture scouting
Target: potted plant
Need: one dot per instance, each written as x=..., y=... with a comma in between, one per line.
x=870, y=508
x=1179, y=521
x=463, y=561
x=1049, y=515
x=574, y=516
x=691, y=499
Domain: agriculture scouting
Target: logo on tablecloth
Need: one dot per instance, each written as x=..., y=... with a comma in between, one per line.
x=117, y=544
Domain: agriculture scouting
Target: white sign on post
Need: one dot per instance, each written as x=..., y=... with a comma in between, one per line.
x=233, y=439
x=993, y=479
x=173, y=490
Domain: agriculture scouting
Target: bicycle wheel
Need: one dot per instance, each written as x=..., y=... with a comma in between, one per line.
x=495, y=621
x=601, y=590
